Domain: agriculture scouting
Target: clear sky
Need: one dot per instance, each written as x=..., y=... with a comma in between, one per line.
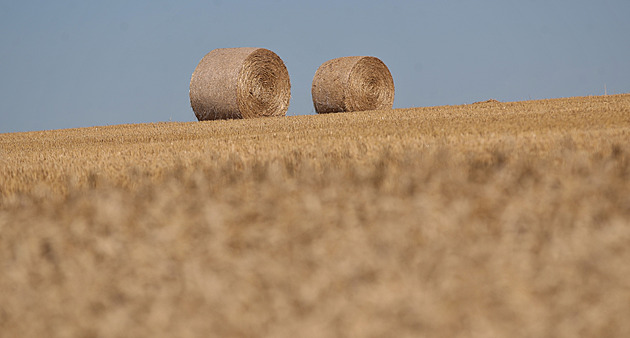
x=66, y=64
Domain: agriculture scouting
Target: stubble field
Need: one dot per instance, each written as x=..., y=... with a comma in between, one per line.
x=484, y=220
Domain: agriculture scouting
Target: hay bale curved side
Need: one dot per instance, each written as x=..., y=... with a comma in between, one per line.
x=352, y=83
x=231, y=83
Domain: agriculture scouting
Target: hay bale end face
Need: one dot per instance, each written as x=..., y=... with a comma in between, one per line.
x=352, y=83
x=232, y=83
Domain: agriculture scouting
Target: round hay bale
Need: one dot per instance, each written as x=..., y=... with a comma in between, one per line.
x=232, y=83
x=352, y=83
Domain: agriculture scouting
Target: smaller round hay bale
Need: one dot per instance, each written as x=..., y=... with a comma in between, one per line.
x=352, y=83
x=233, y=83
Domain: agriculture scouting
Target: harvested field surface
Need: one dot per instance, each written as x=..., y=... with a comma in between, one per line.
x=484, y=220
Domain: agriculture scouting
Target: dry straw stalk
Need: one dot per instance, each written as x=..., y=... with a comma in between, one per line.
x=352, y=83
x=240, y=83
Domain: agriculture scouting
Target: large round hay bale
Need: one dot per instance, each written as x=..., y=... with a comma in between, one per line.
x=352, y=83
x=240, y=83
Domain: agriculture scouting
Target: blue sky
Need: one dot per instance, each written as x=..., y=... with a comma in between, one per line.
x=66, y=64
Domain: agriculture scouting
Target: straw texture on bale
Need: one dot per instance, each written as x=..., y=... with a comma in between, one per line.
x=352, y=83
x=232, y=83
